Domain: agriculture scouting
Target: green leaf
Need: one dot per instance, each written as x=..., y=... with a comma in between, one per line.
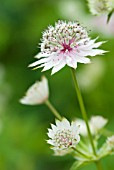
x=109, y=16
x=78, y=164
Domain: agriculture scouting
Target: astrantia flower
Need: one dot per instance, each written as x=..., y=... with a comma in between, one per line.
x=110, y=142
x=67, y=43
x=38, y=93
x=98, y=7
x=63, y=136
x=96, y=123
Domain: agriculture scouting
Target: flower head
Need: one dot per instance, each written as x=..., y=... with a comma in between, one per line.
x=67, y=43
x=110, y=142
x=63, y=136
x=38, y=93
x=98, y=7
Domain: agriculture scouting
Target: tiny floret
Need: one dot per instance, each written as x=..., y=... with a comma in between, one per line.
x=38, y=93
x=63, y=136
x=66, y=43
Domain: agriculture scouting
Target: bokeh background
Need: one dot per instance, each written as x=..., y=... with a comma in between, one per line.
x=23, y=128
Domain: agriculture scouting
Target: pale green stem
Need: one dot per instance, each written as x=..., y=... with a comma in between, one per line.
x=54, y=111
x=99, y=166
x=81, y=153
x=82, y=107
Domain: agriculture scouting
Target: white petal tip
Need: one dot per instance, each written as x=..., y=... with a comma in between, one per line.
x=21, y=101
x=30, y=65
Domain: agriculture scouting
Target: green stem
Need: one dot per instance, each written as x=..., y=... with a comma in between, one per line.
x=54, y=111
x=81, y=153
x=99, y=166
x=82, y=107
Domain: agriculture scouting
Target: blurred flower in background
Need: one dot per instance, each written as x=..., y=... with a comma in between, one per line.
x=98, y=7
x=89, y=77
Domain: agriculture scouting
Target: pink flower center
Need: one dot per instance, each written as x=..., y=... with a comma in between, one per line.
x=66, y=47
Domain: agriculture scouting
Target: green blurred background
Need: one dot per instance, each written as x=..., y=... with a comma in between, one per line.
x=23, y=128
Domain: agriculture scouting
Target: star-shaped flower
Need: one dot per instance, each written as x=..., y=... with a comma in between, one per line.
x=63, y=136
x=66, y=43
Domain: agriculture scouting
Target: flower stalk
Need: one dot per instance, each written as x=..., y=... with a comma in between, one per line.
x=82, y=107
x=99, y=166
x=81, y=153
x=54, y=111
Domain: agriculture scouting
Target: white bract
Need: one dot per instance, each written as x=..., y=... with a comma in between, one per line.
x=95, y=123
x=98, y=7
x=62, y=152
x=67, y=43
x=83, y=128
x=63, y=136
x=110, y=142
x=38, y=93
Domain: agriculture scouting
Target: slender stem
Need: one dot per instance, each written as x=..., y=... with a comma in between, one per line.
x=81, y=153
x=54, y=111
x=98, y=164
x=82, y=107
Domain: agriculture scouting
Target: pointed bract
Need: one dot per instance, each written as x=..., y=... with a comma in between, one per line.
x=38, y=93
x=110, y=142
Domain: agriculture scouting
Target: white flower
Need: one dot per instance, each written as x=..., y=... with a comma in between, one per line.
x=95, y=123
x=67, y=43
x=63, y=136
x=38, y=93
x=110, y=142
x=98, y=7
